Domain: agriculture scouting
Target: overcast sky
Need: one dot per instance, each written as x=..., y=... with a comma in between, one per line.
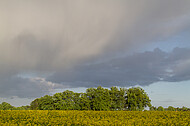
x=48, y=46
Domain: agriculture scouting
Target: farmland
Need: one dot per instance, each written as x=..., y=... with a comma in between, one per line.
x=60, y=117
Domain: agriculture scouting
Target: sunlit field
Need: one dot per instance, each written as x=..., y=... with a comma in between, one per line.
x=68, y=118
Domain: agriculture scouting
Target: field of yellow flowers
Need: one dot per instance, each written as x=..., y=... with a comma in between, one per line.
x=102, y=118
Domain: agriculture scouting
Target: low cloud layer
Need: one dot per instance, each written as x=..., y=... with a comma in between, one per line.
x=26, y=87
x=137, y=69
x=58, y=37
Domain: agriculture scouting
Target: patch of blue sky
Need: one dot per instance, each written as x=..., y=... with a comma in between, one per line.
x=166, y=94
x=181, y=40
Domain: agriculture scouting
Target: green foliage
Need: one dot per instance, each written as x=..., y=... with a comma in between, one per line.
x=99, y=99
x=65, y=100
x=34, y=104
x=153, y=108
x=160, y=108
x=6, y=106
x=184, y=108
x=137, y=99
x=27, y=107
x=84, y=102
x=117, y=98
x=170, y=108
x=95, y=99
x=46, y=103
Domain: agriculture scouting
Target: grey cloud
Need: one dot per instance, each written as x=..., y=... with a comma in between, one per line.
x=180, y=59
x=137, y=69
x=47, y=36
x=15, y=86
x=26, y=87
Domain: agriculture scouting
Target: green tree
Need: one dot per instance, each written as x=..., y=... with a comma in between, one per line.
x=1, y=107
x=94, y=99
x=34, y=105
x=137, y=99
x=122, y=99
x=117, y=98
x=100, y=98
x=84, y=102
x=64, y=100
x=27, y=107
x=7, y=106
x=170, y=108
x=160, y=108
x=77, y=101
x=153, y=108
x=46, y=103
x=184, y=108
x=90, y=93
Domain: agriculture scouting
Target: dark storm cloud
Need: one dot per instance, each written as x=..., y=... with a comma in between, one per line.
x=26, y=87
x=137, y=69
x=180, y=65
x=15, y=86
x=49, y=35
x=45, y=36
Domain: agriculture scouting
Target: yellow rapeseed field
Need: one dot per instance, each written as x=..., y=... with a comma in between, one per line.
x=87, y=118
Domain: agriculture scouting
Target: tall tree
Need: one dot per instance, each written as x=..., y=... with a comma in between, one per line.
x=100, y=98
x=46, y=103
x=34, y=105
x=117, y=98
x=160, y=108
x=90, y=93
x=77, y=101
x=137, y=99
x=122, y=99
x=94, y=99
x=7, y=106
x=153, y=108
x=170, y=108
x=84, y=102
x=64, y=100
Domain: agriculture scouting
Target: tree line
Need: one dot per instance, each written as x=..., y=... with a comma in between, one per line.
x=170, y=108
x=7, y=106
x=95, y=99
x=99, y=99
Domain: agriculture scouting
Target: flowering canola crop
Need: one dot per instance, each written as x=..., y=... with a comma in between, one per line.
x=87, y=118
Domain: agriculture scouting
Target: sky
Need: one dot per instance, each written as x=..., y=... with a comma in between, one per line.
x=50, y=46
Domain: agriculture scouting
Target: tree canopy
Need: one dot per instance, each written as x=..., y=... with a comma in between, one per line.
x=137, y=99
x=7, y=106
x=132, y=99
x=95, y=99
